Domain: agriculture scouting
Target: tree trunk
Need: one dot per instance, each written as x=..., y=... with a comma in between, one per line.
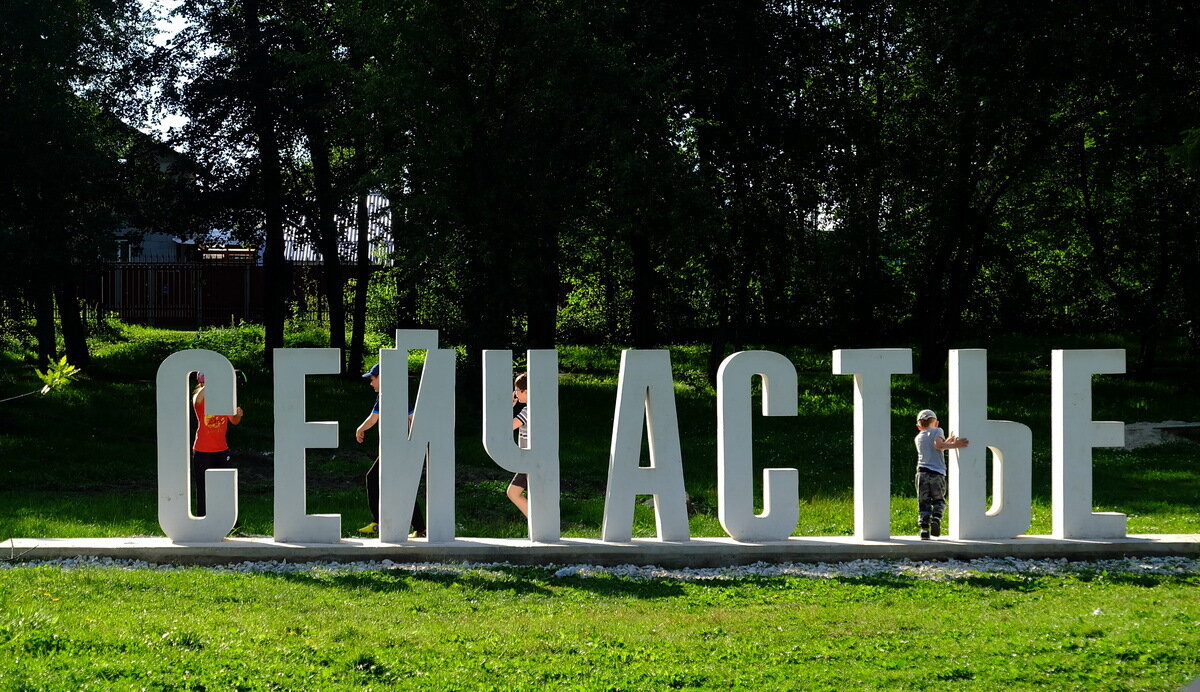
x=542, y=300
x=951, y=274
x=1165, y=256
x=43, y=312
x=488, y=293
x=408, y=274
x=643, y=289
x=274, y=269
x=1189, y=282
x=327, y=236
x=73, y=330
x=717, y=348
x=362, y=279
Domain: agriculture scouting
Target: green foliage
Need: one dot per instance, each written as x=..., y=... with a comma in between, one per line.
x=242, y=345
x=57, y=375
x=1187, y=153
x=726, y=174
x=306, y=335
x=134, y=351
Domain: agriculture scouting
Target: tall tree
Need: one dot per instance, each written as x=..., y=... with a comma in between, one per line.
x=69, y=70
x=223, y=73
x=987, y=81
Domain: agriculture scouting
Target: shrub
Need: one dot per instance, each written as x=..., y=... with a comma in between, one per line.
x=242, y=345
x=305, y=336
x=139, y=354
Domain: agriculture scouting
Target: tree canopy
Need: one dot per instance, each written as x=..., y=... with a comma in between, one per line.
x=833, y=172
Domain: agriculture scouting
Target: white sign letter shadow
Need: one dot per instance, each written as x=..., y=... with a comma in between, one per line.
x=1012, y=458
x=645, y=385
x=735, y=448
x=175, y=449
x=428, y=444
x=1073, y=433
x=872, y=369
x=540, y=461
x=293, y=436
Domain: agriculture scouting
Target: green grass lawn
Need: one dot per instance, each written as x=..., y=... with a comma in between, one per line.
x=80, y=462
x=521, y=628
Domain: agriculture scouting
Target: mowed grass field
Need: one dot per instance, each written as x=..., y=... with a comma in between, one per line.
x=522, y=628
x=80, y=462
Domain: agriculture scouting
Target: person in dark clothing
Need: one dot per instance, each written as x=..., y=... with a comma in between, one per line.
x=418, y=517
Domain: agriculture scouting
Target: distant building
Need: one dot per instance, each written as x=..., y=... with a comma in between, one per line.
x=135, y=246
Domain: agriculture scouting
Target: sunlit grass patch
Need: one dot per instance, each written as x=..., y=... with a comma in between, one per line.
x=101, y=627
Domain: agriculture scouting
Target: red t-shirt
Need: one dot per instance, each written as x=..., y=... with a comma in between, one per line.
x=210, y=431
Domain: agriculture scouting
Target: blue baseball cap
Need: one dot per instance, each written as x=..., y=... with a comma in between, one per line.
x=373, y=372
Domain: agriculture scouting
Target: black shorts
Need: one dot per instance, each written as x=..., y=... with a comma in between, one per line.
x=521, y=480
x=202, y=461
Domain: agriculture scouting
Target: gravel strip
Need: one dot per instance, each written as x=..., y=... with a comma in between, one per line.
x=930, y=570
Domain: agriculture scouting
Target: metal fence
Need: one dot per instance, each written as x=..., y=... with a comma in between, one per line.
x=196, y=295
x=179, y=295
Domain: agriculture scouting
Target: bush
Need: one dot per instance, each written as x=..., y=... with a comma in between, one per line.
x=306, y=336
x=136, y=351
x=242, y=345
x=129, y=351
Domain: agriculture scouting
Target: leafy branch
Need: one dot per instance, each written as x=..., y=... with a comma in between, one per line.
x=57, y=375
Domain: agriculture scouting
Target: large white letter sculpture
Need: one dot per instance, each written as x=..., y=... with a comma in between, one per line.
x=1012, y=458
x=645, y=389
x=294, y=435
x=175, y=449
x=1073, y=433
x=428, y=444
x=540, y=461
x=735, y=448
x=872, y=369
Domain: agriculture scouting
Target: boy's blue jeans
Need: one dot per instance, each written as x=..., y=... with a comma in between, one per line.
x=931, y=496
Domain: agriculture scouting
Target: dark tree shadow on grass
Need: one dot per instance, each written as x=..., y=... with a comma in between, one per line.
x=401, y=580
x=994, y=582
x=1143, y=580
x=891, y=581
x=629, y=588
x=1004, y=582
x=520, y=581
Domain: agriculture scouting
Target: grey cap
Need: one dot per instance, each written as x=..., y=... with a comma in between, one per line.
x=926, y=415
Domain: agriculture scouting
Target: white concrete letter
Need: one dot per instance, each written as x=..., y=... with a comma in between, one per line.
x=540, y=461
x=1073, y=433
x=872, y=369
x=1012, y=458
x=428, y=444
x=735, y=448
x=645, y=388
x=294, y=435
x=175, y=448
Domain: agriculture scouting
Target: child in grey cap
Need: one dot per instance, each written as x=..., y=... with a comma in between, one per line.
x=932, y=444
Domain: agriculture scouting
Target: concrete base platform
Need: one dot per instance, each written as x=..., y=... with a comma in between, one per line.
x=699, y=552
